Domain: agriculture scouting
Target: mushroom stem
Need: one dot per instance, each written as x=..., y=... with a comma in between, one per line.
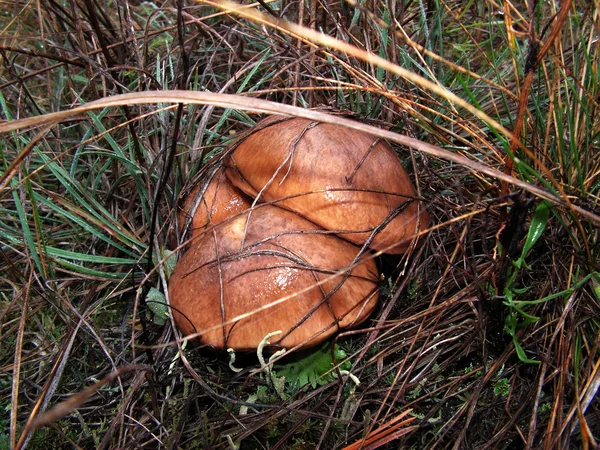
x=261, y=346
x=232, y=361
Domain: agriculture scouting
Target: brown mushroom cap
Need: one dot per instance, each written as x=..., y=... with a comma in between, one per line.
x=248, y=262
x=219, y=200
x=341, y=179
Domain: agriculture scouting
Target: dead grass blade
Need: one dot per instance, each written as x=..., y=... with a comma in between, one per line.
x=50, y=386
x=16, y=375
x=76, y=400
x=589, y=393
x=263, y=106
x=368, y=57
x=389, y=431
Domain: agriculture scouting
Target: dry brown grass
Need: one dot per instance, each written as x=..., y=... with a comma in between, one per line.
x=89, y=195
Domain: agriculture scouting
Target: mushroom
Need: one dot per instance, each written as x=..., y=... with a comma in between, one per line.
x=341, y=179
x=277, y=270
x=219, y=201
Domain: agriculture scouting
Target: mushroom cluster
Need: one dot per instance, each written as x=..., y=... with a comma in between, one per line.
x=280, y=235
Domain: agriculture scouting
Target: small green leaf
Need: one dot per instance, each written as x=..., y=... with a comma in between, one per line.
x=313, y=368
x=520, y=291
x=528, y=317
x=596, y=284
x=157, y=303
x=521, y=353
x=536, y=228
x=502, y=387
x=169, y=257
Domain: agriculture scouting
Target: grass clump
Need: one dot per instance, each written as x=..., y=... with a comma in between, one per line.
x=487, y=334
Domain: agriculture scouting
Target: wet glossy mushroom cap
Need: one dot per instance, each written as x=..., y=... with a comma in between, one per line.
x=254, y=260
x=341, y=179
x=212, y=202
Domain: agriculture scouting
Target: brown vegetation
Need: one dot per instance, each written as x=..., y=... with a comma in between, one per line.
x=488, y=331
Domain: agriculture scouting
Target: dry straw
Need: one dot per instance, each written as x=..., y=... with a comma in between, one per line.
x=268, y=107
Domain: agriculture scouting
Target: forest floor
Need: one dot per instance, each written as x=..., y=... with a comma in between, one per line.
x=486, y=334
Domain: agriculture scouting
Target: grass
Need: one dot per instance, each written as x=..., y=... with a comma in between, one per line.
x=488, y=332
